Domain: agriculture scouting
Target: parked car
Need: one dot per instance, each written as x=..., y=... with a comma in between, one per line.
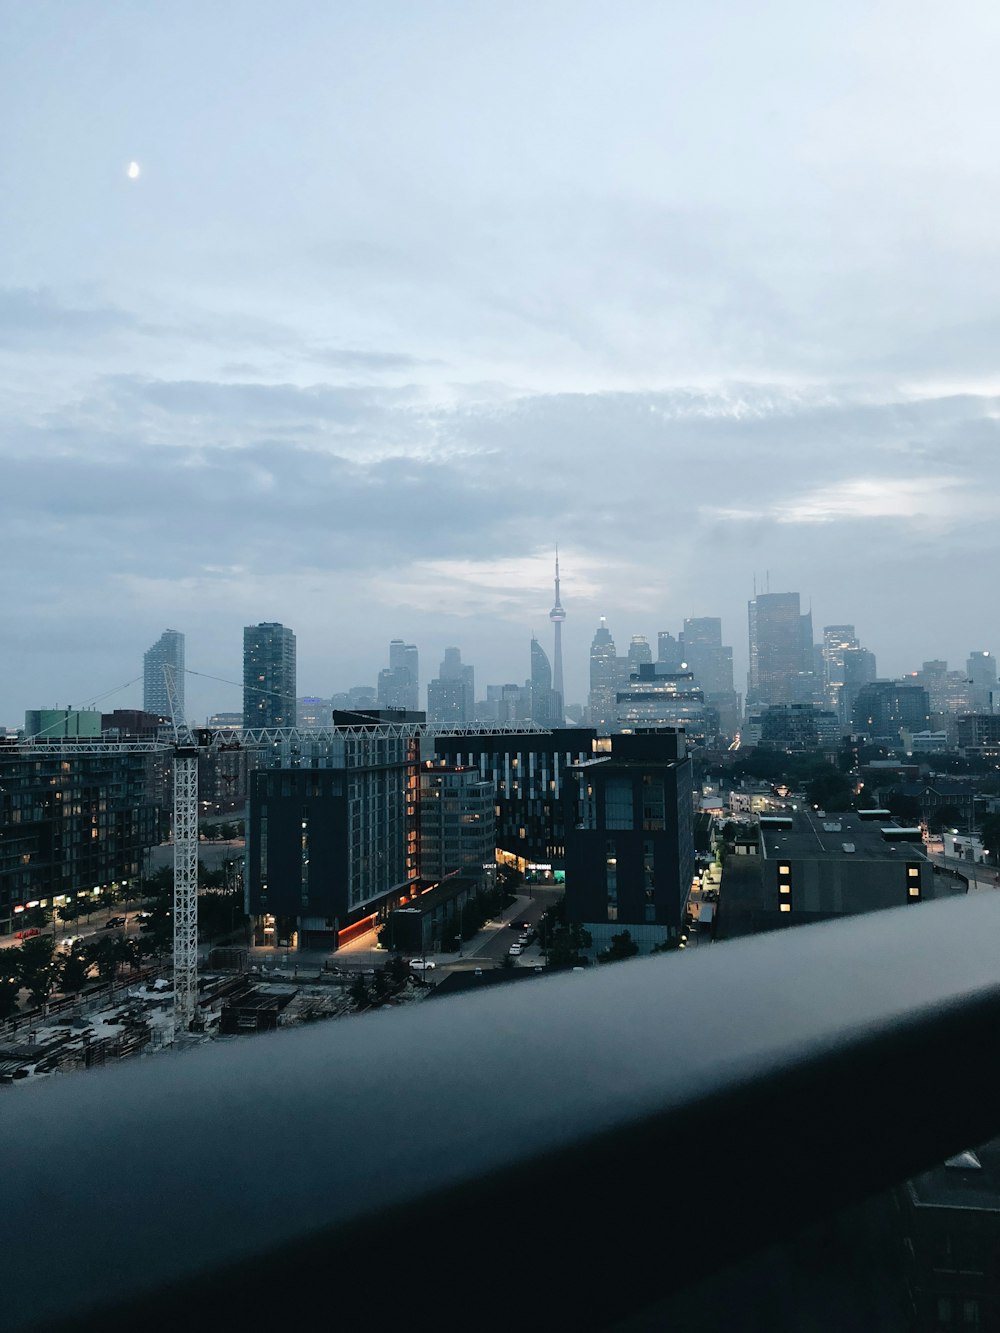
x=27, y=934
x=114, y=921
x=514, y=950
x=421, y=965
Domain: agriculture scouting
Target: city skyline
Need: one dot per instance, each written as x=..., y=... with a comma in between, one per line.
x=215, y=693
x=235, y=383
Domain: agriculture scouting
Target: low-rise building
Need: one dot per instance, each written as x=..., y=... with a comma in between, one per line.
x=812, y=866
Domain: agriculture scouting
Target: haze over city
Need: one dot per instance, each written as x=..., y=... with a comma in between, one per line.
x=367, y=336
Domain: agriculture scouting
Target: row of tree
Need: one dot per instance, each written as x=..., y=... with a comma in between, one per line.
x=37, y=968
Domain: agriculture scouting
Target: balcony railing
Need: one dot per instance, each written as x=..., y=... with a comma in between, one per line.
x=528, y=1156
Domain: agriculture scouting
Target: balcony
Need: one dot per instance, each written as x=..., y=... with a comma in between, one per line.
x=568, y=1154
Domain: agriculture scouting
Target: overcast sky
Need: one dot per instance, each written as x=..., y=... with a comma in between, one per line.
x=406, y=293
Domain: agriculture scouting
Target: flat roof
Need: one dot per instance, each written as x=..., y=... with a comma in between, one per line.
x=815, y=838
x=960, y=1184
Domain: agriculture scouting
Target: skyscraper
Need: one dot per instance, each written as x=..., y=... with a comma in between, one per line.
x=168, y=650
x=711, y=663
x=546, y=703
x=639, y=652
x=399, y=683
x=703, y=651
x=452, y=697
x=268, y=676
x=780, y=649
x=603, y=678
x=557, y=615
x=982, y=669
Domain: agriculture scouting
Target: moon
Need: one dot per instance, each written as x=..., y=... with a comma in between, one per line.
x=132, y=171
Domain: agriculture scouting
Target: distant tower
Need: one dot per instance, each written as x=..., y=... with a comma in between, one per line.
x=557, y=615
x=168, y=650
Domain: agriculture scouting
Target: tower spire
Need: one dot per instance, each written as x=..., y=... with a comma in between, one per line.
x=557, y=615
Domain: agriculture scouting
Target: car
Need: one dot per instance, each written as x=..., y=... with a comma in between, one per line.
x=114, y=921
x=514, y=950
x=421, y=965
x=27, y=934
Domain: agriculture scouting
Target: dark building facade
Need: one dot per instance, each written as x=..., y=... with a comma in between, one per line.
x=268, y=676
x=332, y=840
x=951, y=1221
x=630, y=839
x=885, y=707
x=457, y=824
x=70, y=824
x=808, y=867
x=528, y=771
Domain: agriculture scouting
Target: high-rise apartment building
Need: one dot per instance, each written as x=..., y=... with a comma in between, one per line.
x=604, y=678
x=268, y=676
x=780, y=650
x=399, y=683
x=168, y=650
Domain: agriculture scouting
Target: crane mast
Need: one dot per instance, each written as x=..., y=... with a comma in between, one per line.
x=185, y=773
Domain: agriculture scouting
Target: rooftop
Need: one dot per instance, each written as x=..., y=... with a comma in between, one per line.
x=814, y=836
x=968, y=1180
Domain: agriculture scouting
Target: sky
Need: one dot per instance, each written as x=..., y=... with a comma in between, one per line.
x=404, y=294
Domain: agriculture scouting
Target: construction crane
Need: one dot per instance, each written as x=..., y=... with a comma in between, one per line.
x=185, y=748
x=185, y=766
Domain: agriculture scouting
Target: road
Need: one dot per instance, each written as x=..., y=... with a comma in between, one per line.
x=979, y=876
x=487, y=948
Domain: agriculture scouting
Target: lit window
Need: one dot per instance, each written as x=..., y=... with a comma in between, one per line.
x=914, y=890
x=784, y=870
x=786, y=907
x=784, y=888
x=913, y=872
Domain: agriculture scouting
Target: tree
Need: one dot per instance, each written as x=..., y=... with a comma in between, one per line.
x=10, y=981
x=358, y=992
x=36, y=968
x=69, y=911
x=622, y=946
x=104, y=954
x=73, y=973
x=566, y=945
x=397, y=969
x=831, y=790
x=944, y=816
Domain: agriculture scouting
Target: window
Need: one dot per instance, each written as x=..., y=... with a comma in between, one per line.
x=652, y=803
x=618, y=803
x=786, y=907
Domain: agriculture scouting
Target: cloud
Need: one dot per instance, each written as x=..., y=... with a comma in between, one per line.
x=37, y=314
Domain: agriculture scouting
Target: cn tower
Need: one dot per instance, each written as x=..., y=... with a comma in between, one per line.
x=557, y=615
